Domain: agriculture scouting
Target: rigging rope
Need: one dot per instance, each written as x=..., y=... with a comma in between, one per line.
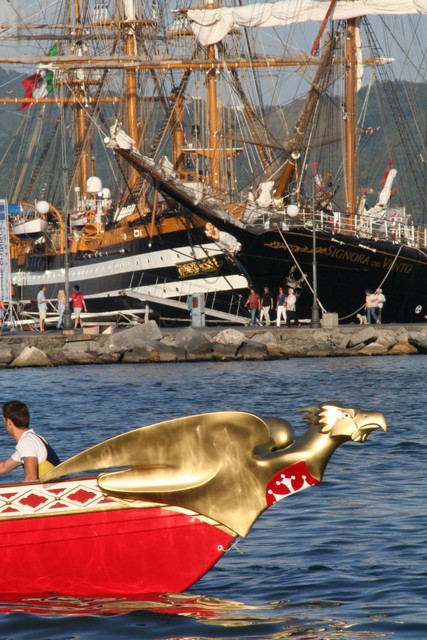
x=300, y=270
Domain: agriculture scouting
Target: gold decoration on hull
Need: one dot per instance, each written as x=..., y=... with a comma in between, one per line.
x=218, y=464
x=205, y=265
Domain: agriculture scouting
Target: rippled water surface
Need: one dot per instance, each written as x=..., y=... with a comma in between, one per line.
x=344, y=560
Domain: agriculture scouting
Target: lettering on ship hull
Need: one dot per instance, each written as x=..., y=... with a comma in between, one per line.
x=331, y=252
x=347, y=255
x=400, y=267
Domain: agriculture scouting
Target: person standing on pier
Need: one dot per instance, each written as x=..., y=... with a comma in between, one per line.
x=266, y=306
x=254, y=304
x=371, y=307
x=42, y=306
x=280, y=307
x=291, y=308
x=380, y=303
x=62, y=302
x=78, y=304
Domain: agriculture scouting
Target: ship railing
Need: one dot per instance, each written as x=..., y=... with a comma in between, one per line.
x=362, y=226
x=398, y=229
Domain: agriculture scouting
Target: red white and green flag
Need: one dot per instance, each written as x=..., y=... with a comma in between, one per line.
x=40, y=84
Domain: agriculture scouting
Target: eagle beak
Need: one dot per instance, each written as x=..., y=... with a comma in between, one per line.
x=366, y=423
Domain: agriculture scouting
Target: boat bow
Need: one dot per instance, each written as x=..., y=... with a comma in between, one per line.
x=222, y=465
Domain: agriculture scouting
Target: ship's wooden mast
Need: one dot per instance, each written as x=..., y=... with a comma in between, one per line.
x=79, y=110
x=213, y=121
x=350, y=121
x=178, y=137
x=131, y=103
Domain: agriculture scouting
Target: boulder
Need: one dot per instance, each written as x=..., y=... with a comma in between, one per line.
x=229, y=337
x=253, y=350
x=387, y=338
x=403, y=348
x=6, y=356
x=340, y=341
x=137, y=335
x=264, y=338
x=193, y=342
x=418, y=340
x=224, y=351
x=31, y=357
x=373, y=349
x=292, y=349
x=77, y=351
x=153, y=352
x=323, y=350
x=363, y=335
x=273, y=350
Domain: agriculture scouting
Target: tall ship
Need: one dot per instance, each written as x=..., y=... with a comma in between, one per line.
x=165, y=154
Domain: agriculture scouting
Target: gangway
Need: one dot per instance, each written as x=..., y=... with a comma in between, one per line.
x=177, y=304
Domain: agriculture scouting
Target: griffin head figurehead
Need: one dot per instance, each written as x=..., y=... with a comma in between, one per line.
x=346, y=423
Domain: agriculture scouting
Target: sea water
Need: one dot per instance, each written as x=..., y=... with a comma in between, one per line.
x=345, y=560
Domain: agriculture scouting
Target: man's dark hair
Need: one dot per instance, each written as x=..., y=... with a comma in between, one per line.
x=76, y=287
x=18, y=412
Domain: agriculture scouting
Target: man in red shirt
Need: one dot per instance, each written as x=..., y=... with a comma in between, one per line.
x=78, y=304
x=254, y=304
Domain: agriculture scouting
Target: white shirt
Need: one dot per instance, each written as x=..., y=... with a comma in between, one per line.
x=41, y=300
x=380, y=300
x=291, y=302
x=29, y=445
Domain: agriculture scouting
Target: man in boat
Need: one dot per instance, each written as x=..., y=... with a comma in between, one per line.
x=33, y=452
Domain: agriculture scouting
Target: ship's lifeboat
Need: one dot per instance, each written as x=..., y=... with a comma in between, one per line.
x=30, y=228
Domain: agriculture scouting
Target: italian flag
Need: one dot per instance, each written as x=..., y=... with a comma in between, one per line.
x=40, y=84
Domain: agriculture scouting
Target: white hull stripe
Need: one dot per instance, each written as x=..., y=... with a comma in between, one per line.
x=141, y=262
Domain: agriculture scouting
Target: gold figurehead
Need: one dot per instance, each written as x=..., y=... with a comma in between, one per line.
x=218, y=465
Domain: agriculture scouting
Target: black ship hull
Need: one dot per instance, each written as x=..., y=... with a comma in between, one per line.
x=165, y=273
x=346, y=267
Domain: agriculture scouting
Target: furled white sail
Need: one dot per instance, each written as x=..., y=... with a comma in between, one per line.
x=212, y=25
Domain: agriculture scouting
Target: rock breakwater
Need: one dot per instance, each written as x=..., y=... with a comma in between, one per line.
x=148, y=343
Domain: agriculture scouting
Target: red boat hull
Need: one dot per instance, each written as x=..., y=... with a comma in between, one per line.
x=102, y=550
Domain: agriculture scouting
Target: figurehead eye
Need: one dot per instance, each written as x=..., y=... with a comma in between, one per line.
x=346, y=415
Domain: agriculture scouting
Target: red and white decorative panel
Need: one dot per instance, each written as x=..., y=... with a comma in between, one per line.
x=294, y=478
x=61, y=497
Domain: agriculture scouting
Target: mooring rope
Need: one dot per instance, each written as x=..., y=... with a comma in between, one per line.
x=311, y=288
x=300, y=270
